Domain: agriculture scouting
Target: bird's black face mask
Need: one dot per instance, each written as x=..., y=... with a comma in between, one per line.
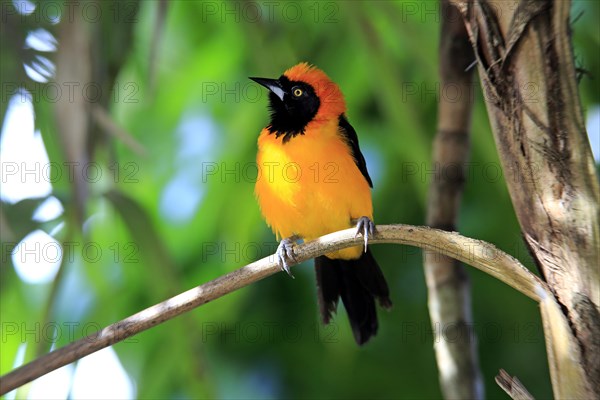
x=293, y=105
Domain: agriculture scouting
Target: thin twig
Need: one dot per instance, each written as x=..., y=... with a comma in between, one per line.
x=110, y=126
x=479, y=254
x=512, y=386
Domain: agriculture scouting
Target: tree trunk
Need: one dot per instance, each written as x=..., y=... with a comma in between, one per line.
x=527, y=72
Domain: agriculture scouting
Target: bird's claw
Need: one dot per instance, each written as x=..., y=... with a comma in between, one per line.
x=365, y=227
x=285, y=253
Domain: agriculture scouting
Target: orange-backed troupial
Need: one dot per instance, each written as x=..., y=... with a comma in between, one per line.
x=313, y=180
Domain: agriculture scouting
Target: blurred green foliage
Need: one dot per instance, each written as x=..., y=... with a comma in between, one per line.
x=184, y=212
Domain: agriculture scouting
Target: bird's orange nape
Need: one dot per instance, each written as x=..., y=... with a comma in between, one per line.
x=328, y=92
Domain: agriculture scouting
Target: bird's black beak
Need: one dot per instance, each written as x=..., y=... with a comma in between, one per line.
x=272, y=84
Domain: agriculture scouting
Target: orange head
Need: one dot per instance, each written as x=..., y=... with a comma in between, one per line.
x=301, y=95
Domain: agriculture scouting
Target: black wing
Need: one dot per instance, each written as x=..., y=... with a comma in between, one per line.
x=348, y=132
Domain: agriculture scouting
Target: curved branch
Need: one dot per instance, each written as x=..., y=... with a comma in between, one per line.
x=477, y=253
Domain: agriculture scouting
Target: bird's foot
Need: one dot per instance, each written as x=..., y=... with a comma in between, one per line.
x=365, y=227
x=285, y=254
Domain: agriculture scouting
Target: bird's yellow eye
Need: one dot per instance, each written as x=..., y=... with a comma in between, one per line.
x=297, y=92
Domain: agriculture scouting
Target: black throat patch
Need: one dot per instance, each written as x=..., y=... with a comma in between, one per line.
x=299, y=106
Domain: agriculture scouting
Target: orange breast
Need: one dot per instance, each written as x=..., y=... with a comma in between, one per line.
x=311, y=186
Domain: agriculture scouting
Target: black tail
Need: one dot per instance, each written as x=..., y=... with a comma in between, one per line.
x=358, y=282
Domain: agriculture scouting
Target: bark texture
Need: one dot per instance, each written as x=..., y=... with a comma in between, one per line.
x=527, y=71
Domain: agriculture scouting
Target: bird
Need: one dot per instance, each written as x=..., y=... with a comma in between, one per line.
x=313, y=180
